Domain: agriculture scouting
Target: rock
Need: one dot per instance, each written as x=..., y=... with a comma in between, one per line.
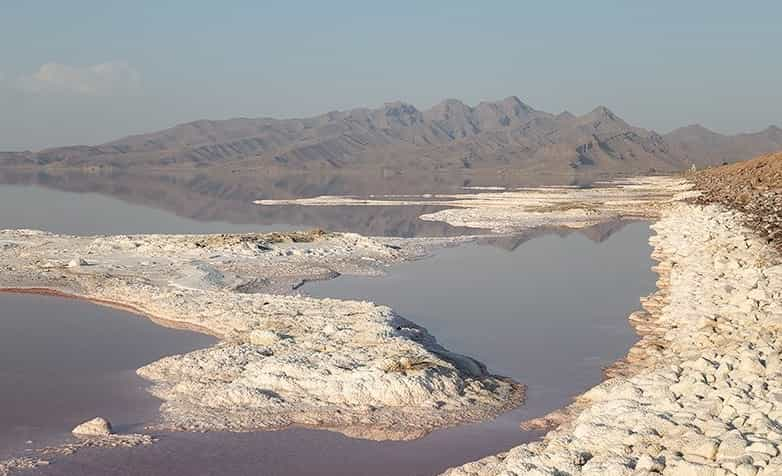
x=687, y=468
x=706, y=449
x=77, y=262
x=763, y=447
x=94, y=428
x=732, y=445
x=773, y=469
x=264, y=338
x=751, y=365
x=647, y=463
x=746, y=469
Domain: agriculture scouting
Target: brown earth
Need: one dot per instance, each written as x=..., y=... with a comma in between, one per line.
x=753, y=187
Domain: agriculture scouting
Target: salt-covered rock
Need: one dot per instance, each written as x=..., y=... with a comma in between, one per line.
x=263, y=337
x=97, y=427
x=77, y=262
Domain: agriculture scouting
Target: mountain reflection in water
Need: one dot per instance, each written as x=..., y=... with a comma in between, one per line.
x=227, y=201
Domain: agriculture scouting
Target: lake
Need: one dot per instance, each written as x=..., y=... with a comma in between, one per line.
x=548, y=310
x=64, y=361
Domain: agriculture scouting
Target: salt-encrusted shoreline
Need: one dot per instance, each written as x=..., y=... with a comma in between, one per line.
x=353, y=367
x=703, y=392
x=350, y=366
x=41, y=456
x=700, y=394
x=532, y=207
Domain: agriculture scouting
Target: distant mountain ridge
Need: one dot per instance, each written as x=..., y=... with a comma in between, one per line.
x=451, y=136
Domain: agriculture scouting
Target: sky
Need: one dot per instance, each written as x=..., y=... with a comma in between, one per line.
x=85, y=72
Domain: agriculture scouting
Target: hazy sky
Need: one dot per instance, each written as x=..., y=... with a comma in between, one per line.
x=89, y=71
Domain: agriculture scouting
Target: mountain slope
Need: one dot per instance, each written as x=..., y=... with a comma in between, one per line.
x=451, y=136
x=699, y=145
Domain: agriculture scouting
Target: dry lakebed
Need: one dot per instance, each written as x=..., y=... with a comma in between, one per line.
x=699, y=394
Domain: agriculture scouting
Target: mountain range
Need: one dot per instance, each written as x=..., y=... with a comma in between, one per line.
x=506, y=135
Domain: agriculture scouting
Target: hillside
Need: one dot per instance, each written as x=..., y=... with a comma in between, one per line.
x=753, y=187
x=451, y=136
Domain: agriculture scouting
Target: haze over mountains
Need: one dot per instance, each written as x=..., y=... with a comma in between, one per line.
x=451, y=136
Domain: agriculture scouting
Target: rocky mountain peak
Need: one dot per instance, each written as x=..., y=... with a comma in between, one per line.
x=603, y=112
x=397, y=108
x=450, y=136
x=565, y=116
x=449, y=109
x=514, y=105
x=402, y=113
x=452, y=103
x=693, y=132
x=697, y=127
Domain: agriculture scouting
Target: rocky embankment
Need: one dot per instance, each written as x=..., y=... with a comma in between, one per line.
x=701, y=393
x=282, y=359
x=753, y=187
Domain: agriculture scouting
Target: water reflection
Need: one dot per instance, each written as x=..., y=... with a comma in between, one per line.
x=112, y=202
x=226, y=201
x=551, y=314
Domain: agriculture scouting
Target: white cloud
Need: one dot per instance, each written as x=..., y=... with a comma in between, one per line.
x=97, y=80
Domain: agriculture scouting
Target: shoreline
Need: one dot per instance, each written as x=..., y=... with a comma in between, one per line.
x=175, y=324
x=635, y=361
x=682, y=402
x=161, y=321
x=395, y=366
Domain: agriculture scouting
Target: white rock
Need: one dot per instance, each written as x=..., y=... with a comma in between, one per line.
x=706, y=449
x=647, y=463
x=746, y=469
x=263, y=337
x=77, y=262
x=687, y=468
x=96, y=427
x=732, y=445
x=763, y=447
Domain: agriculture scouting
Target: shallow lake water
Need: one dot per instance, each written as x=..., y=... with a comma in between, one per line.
x=92, y=214
x=550, y=313
x=549, y=310
x=89, y=210
x=64, y=361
